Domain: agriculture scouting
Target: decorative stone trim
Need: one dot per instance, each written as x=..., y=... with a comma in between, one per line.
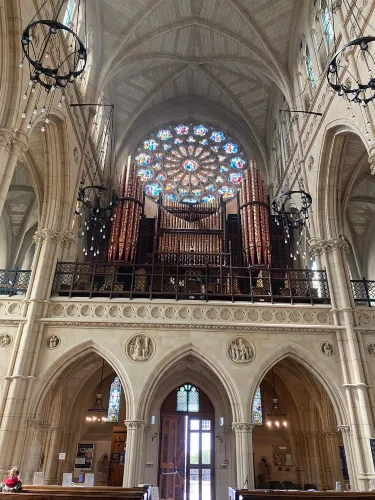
x=318, y=247
x=191, y=313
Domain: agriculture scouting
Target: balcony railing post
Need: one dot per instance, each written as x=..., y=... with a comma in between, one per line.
x=367, y=292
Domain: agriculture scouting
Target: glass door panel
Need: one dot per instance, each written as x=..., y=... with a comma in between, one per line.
x=199, y=460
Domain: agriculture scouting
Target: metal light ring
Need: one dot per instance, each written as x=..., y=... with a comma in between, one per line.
x=333, y=63
x=53, y=72
x=288, y=194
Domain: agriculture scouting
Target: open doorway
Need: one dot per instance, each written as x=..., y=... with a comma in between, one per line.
x=186, y=462
x=296, y=442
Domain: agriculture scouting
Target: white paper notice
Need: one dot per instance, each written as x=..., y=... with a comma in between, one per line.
x=38, y=479
x=62, y=456
x=154, y=493
x=67, y=479
x=89, y=479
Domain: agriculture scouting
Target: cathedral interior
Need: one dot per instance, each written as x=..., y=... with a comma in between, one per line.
x=187, y=266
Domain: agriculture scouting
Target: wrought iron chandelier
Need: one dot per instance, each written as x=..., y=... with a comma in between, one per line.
x=56, y=57
x=276, y=418
x=356, y=91
x=97, y=413
x=293, y=207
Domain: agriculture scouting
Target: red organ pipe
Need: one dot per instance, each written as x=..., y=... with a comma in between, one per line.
x=254, y=219
x=126, y=218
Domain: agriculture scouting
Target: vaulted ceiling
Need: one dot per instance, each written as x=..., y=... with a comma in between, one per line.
x=231, y=53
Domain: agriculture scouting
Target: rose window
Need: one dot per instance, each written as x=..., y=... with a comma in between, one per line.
x=190, y=164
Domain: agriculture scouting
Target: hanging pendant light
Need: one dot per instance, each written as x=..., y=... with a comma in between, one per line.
x=276, y=419
x=56, y=57
x=97, y=413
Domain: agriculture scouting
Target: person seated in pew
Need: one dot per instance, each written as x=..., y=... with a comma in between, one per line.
x=12, y=484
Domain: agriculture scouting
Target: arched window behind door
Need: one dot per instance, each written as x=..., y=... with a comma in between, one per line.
x=187, y=398
x=114, y=401
x=257, y=417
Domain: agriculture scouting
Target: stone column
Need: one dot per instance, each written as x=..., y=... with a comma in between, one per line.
x=231, y=454
x=50, y=471
x=134, y=452
x=314, y=458
x=11, y=149
x=332, y=444
x=354, y=380
x=316, y=51
x=66, y=465
x=16, y=397
x=244, y=454
x=34, y=458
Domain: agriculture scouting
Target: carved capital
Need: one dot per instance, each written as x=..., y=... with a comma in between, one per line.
x=228, y=429
x=65, y=239
x=18, y=147
x=136, y=425
x=240, y=427
x=32, y=423
x=6, y=138
x=336, y=5
x=330, y=434
x=371, y=160
x=344, y=429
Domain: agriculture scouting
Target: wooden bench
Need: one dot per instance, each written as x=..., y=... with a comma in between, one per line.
x=81, y=493
x=235, y=494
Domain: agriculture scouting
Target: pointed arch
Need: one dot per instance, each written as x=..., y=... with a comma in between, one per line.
x=153, y=381
x=56, y=369
x=302, y=356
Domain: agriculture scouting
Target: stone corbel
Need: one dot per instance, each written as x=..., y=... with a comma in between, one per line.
x=136, y=425
x=6, y=139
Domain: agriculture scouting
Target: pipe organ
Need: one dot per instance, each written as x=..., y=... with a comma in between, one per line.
x=192, y=234
x=126, y=218
x=254, y=211
x=197, y=234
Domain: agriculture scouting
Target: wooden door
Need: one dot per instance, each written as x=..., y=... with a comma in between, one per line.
x=117, y=460
x=172, y=458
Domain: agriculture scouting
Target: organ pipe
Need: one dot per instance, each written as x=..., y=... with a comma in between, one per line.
x=126, y=218
x=254, y=219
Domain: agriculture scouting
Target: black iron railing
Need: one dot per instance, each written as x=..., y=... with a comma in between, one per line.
x=178, y=279
x=14, y=281
x=363, y=291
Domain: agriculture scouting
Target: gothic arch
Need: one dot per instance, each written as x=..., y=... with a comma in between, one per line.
x=329, y=219
x=303, y=357
x=56, y=369
x=156, y=379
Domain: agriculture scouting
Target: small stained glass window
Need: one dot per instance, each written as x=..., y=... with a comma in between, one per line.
x=257, y=417
x=114, y=401
x=327, y=21
x=309, y=66
x=69, y=12
x=187, y=399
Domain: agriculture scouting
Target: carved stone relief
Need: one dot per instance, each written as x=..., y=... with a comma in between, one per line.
x=241, y=351
x=371, y=349
x=327, y=349
x=53, y=341
x=5, y=340
x=140, y=347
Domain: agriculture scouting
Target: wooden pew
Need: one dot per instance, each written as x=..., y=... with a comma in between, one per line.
x=297, y=495
x=80, y=493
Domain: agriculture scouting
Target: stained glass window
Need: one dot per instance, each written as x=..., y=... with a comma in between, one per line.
x=327, y=21
x=257, y=418
x=187, y=399
x=185, y=161
x=69, y=12
x=310, y=69
x=114, y=401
